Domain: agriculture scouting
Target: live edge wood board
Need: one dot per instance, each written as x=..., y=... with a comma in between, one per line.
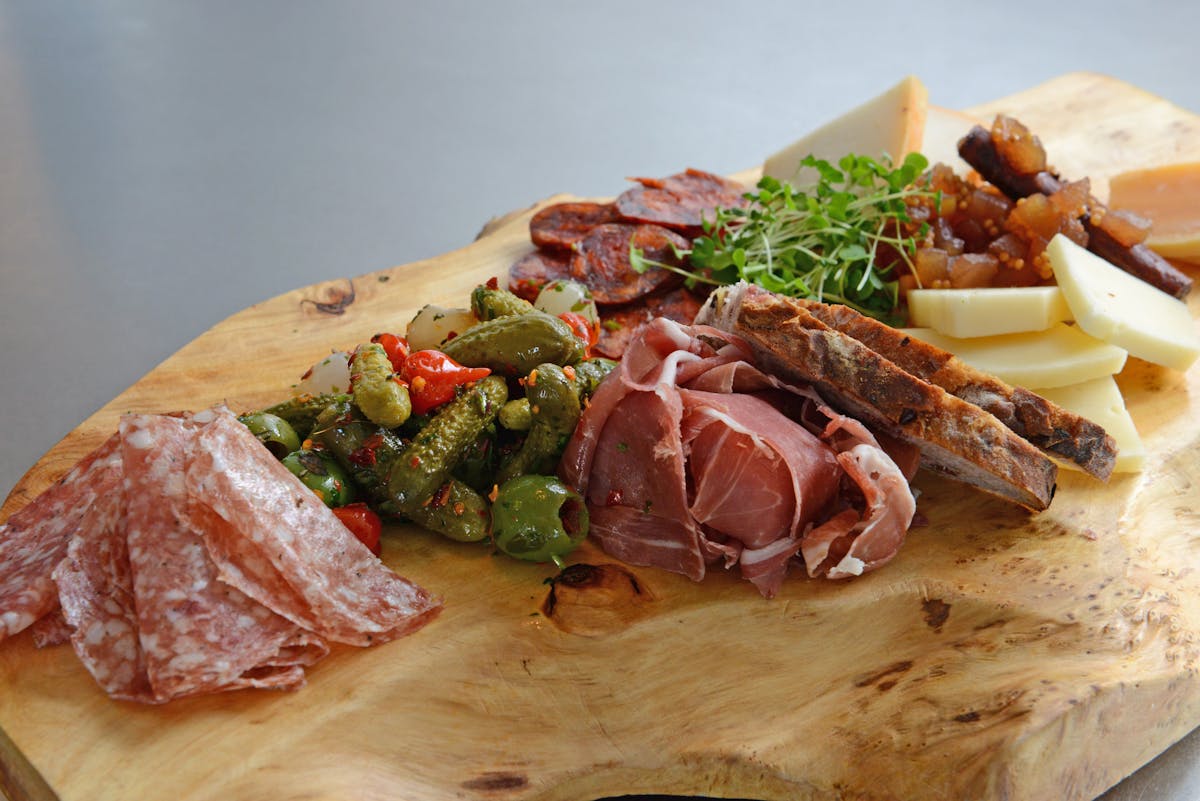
x=1000, y=656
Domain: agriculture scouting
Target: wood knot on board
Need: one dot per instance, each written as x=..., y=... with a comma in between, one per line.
x=592, y=600
x=497, y=780
x=935, y=611
x=338, y=299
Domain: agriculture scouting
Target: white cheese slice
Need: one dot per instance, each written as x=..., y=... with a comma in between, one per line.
x=892, y=123
x=987, y=311
x=943, y=128
x=1100, y=401
x=1059, y=356
x=1112, y=305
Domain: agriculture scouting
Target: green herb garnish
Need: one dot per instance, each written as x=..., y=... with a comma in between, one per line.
x=823, y=240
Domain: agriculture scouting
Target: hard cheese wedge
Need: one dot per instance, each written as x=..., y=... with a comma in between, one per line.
x=987, y=311
x=1114, y=306
x=893, y=123
x=1170, y=198
x=1100, y=401
x=1059, y=356
x=943, y=128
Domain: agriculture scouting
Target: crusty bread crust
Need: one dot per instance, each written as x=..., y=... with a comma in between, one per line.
x=955, y=437
x=1048, y=426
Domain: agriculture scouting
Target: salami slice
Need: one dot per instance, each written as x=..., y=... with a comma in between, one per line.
x=560, y=226
x=197, y=634
x=95, y=588
x=681, y=201
x=602, y=261
x=51, y=629
x=533, y=271
x=276, y=542
x=34, y=539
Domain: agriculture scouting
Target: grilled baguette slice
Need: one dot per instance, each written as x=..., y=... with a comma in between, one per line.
x=956, y=438
x=1061, y=433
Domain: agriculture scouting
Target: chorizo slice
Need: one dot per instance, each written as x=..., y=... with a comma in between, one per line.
x=681, y=201
x=602, y=262
x=533, y=271
x=560, y=226
x=618, y=324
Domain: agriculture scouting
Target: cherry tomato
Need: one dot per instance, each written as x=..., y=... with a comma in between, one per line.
x=582, y=328
x=363, y=523
x=395, y=348
x=432, y=378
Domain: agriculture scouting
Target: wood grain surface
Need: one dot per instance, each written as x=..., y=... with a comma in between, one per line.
x=1000, y=656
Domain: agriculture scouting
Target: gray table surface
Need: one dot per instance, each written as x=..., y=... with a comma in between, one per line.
x=164, y=165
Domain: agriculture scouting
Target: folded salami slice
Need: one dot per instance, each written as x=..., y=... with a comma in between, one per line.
x=34, y=539
x=96, y=591
x=274, y=540
x=197, y=634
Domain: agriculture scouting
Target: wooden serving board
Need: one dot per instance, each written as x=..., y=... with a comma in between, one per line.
x=1000, y=656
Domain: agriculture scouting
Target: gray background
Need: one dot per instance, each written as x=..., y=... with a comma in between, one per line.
x=163, y=165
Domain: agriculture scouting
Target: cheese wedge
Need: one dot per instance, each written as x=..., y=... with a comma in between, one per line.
x=892, y=123
x=1170, y=198
x=943, y=128
x=1112, y=305
x=987, y=311
x=1059, y=356
x=1100, y=401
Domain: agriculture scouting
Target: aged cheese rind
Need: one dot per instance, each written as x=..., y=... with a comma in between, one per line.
x=1112, y=305
x=1100, y=401
x=892, y=123
x=987, y=311
x=1059, y=356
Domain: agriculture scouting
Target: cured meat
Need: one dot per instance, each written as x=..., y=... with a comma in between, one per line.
x=619, y=324
x=34, y=540
x=274, y=540
x=681, y=201
x=51, y=629
x=602, y=262
x=533, y=271
x=197, y=634
x=560, y=226
x=95, y=589
x=689, y=455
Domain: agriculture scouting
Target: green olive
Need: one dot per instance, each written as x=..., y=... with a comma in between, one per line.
x=273, y=431
x=538, y=519
x=321, y=474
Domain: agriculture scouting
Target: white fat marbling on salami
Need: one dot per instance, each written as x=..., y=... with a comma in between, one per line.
x=51, y=629
x=34, y=540
x=284, y=548
x=197, y=633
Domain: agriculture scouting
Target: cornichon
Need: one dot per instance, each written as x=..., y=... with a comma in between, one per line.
x=369, y=452
x=489, y=303
x=426, y=463
x=301, y=412
x=382, y=398
x=554, y=411
x=515, y=344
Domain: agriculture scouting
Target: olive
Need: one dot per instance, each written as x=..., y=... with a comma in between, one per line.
x=538, y=519
x=321, y=474
x=273, y=431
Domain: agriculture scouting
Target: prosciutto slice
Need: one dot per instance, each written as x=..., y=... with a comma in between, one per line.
x=690, y=455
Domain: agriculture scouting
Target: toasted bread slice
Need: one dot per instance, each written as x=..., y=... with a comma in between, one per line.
x=1061, y=433
x=955, y=437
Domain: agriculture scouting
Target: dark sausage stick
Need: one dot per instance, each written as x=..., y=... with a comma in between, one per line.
x=978, y=150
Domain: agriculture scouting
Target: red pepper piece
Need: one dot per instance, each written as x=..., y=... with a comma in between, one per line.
x=363, y=523
x=582, y=328
x=433, y=377
x=395, y=347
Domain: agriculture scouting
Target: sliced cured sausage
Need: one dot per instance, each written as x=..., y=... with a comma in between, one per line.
x=273, y=539
x=197, y=634
x=560, y=226
x=619, y=324
x=533, y=271
x=681, y=201
x=602, y=260
x=34, y=540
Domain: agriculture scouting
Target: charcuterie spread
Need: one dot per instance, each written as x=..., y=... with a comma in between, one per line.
x=764, y=414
